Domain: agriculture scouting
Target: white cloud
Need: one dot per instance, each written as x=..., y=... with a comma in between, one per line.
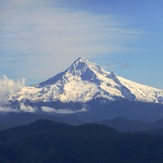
x=43, y=36
x=61, y=111
x=47, y=109
x=8, y=87
x=26, y=108
x=8, y=110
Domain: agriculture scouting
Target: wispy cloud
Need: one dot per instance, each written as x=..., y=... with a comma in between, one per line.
x=61, y=111
x=27, y=108
x=8, y=110
x=38, y=35
x=120, y=65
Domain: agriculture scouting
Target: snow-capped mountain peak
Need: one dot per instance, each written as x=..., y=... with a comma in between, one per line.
x=84, y=81
x=82, y=68
x=82, y=65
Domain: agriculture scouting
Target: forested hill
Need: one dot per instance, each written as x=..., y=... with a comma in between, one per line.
x=46, y=141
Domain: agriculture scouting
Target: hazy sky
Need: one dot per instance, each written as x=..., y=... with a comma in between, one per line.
x=39, y=38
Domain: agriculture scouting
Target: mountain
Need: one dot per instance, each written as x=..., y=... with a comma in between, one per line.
x=129, y=125
x=121, y=124
x=47, y=141
x=14, y=119
x=84, y=81
x=92, y=94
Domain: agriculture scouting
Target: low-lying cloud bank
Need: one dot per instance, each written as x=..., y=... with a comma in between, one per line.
x=4, y=109
x=9, y=87
x=61, y=111
x=44, y=109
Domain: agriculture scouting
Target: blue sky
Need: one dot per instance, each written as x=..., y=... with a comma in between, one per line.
x=41, y=38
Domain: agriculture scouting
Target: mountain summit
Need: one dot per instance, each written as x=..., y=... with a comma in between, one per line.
x=84, y=81
x=82, y=68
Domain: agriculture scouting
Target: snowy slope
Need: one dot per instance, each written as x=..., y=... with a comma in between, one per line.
x=84, y=81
